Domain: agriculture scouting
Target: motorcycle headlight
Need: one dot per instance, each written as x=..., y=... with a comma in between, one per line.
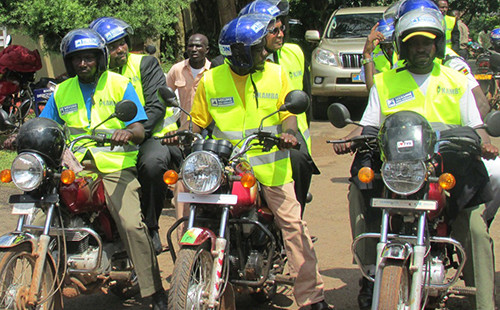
x=28, y=171
x=404, y=178
x=202, y=172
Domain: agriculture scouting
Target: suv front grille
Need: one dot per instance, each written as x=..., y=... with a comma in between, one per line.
x=351, y=60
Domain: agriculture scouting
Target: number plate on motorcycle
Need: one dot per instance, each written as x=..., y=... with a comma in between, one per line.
x=219, y=199
x=483, y=76
x=23, y=208
x=423, y=205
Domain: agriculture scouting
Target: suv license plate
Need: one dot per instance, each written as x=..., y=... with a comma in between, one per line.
x=219, y=199
x=23, y=208
x=356, y=77
x=422, y=205
x=483, y=76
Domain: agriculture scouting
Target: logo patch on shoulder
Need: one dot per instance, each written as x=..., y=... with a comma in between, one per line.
x=222, y=102
x=391, y=103
x=68, y=109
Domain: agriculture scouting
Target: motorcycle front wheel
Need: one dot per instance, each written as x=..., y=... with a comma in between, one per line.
x=191, y=278
x=16, y=272
x=394, y=286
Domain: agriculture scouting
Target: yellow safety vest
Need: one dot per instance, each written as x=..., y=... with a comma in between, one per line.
x=440, y=103
x=132, y=70
x=234, y=121
x=291, y=58
x=381, y=62
x=72, y=110
x=450, y=24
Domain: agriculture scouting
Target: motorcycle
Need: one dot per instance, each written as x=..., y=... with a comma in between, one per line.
x=66, y=242
x=488, y=76
x=231, y=237
x=418, y=264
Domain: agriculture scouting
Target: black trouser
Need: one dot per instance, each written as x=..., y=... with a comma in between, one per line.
x=303, y=167
x=152, y=162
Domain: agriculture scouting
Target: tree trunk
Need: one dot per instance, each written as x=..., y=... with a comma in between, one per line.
x=227, y=11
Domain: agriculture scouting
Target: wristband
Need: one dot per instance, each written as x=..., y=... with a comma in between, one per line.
x=365, y=61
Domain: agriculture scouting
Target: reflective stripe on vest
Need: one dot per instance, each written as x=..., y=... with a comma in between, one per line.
x=291, y=58
x=133, y=72
x=234, y=121
x=450, y=24
x=439, y=105
x=72, y=110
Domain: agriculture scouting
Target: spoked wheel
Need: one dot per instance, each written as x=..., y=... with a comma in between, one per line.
x=394, y=287
x=191, y=279
x=16, y=272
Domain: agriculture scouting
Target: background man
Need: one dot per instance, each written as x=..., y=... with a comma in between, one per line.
x=452, y=32
x=185, y=75
x=146, y=75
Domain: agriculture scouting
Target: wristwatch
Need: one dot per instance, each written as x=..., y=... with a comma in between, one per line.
x=365, y=61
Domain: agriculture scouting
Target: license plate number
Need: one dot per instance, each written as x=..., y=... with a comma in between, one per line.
x=356, y=77
x=220, y=199
x=421, y=205
x=483, y=76
x=23, y=208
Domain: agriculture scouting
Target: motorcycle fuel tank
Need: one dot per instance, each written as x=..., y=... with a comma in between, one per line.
x=85, y=194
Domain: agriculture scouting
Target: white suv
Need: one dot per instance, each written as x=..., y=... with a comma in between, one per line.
x=336, y=62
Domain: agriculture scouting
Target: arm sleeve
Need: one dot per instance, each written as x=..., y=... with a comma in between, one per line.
x=50, y=111
x=469, y=112
x=199, y=110
x=455, y=38
x=171, y=79
x=131, y=94
x=152, y=77
x=371, y=116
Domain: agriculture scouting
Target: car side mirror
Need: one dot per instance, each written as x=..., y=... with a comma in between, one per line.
x=312, y=36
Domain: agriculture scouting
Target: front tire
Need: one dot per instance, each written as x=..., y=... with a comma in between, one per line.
x=16, y=271
x=394, y=287
x=191, y=278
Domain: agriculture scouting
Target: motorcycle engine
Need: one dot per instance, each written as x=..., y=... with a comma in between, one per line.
x=254, y=265
x=436, y=271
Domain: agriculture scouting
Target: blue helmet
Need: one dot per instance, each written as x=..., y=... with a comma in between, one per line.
x=83, y=40
x=112, y=29
x=274, y=8
x=386, y=27
x=239, y=35
x=410, y=5
x=495, y=38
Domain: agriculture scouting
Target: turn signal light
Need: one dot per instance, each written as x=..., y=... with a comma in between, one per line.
x=5, y=176
x=68, y=177
x=170, y=177
x=248, y=180
x=366, y=175
x=447, y=181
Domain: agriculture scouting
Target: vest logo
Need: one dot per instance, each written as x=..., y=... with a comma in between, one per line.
x=448, y=91
x=295, y=74
x=68, y=109
x=391, y=103
x=134, y=79
x=267, y=95
x=106, y=102
x=222, y=102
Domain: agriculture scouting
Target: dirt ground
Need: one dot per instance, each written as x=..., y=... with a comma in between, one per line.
x=327, y=218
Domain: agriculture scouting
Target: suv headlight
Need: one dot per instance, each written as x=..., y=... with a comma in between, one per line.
x=404, y=178
x=28, y=171
x=202, y=172
x=325, y=57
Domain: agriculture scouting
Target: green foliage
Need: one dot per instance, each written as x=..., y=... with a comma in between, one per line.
x=54, y=18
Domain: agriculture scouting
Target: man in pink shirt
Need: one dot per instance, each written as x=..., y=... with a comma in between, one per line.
x=185, y=75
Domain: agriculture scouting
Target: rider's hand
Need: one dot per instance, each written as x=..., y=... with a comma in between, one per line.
x=172, y=140
x=374, y=38
x=287, y=141
x=121, y=137
x=342, y=148
x=489, y=151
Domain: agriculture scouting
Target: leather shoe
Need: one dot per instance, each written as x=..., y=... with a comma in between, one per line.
x=365, y=294
x=155, y=238
x=322, y=305
x=159, y=300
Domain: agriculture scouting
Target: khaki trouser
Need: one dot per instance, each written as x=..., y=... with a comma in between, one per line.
x=302, y=261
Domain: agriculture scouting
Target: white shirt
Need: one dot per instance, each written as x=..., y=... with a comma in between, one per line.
x=469, y=113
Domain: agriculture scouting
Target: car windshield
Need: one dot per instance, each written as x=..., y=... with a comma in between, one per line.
x=352, y=25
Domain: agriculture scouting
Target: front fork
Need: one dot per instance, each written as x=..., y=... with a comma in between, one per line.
x=416, y=266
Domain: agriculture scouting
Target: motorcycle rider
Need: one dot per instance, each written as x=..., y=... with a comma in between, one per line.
x=229, y=96
x=146, y=75
x=291, y=58
x=495, y=50
x=419, y=38
x=82, y=102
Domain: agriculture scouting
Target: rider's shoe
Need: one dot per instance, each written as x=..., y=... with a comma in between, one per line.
x=322, y=305
x=365, y=294
x=159, y=300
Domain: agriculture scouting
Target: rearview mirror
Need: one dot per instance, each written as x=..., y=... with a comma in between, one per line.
x=338, y=115
x=167, y=96
x=296, y=102
x=492, y=122
x=125, y=110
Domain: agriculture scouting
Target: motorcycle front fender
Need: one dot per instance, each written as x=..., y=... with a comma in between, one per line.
x=13, y=239
x=396, y=250
x=196, y=236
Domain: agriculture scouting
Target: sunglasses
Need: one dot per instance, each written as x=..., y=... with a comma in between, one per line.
x=276, y=30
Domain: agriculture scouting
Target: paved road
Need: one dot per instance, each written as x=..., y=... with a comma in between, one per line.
x=327, y=218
